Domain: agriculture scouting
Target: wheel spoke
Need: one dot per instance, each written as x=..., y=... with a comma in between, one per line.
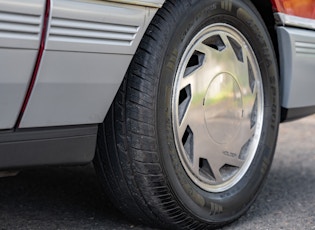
x=233, y=161
x=194, y=80
x=217, y=175
x=188, y=80
x=208, y=151
x=212, y=64
x=202, y=48
x=246, y=133
x=187, y=120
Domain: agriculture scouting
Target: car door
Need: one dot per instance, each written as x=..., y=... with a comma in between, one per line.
x=88, y=48
x=20, y=34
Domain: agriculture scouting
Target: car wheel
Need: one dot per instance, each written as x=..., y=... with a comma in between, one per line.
x=191, y=133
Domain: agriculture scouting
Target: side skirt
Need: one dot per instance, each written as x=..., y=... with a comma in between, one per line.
x=296, y=113
x=47, y=146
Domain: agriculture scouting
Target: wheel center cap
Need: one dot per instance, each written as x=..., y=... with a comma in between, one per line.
x=223, y=108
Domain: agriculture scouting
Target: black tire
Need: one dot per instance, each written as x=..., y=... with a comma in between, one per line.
x=137, y=158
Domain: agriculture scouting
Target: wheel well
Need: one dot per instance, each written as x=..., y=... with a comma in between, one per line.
x=266, y=12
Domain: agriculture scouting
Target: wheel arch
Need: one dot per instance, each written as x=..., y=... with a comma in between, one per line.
x=265, y=10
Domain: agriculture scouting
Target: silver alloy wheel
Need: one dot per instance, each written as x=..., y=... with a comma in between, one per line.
x=217, y=107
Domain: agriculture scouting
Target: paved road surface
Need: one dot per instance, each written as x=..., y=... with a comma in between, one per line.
x=70, y=198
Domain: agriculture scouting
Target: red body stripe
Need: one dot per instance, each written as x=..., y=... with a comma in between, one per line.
x=37, y=64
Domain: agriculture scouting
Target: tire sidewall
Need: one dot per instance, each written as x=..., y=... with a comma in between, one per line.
x=227, y=205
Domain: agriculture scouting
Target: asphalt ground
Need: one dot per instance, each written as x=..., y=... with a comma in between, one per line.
x=70, y=197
